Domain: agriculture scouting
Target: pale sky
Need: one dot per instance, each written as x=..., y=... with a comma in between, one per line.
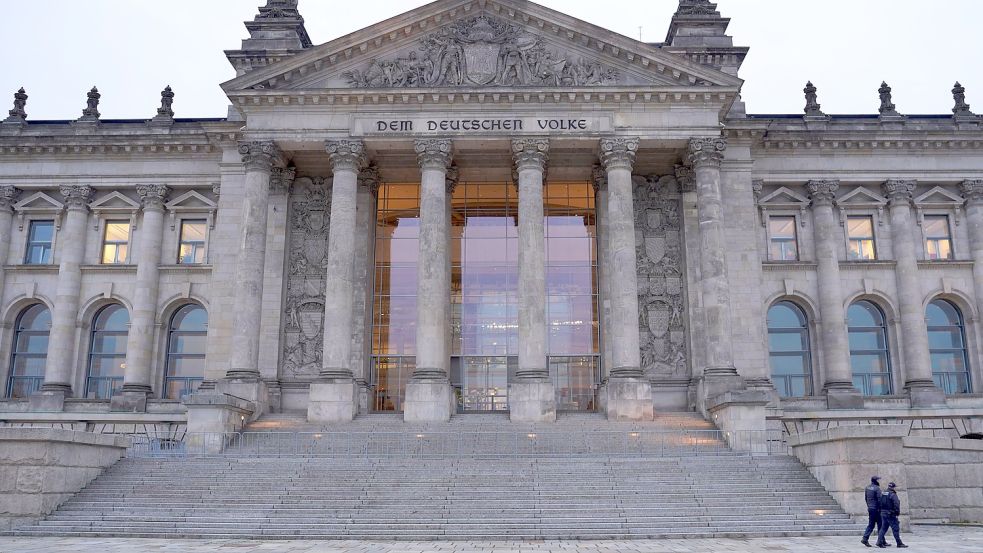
x=131, y=49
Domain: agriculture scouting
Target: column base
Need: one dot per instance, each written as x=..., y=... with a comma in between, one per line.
x=252, y=390
x=130, y=400
x=333, y=401
x=924, y=393
x=428, y=401
x=51, y=401
x=628, y=399
x=716, y=381
x=842, y=395
x=532, y=401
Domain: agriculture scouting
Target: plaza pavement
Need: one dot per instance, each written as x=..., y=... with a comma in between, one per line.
x=928, y=539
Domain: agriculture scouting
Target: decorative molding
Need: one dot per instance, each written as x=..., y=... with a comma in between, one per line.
x=862, y=198
x=40, y=204
x=434, y=153
x=618, y=152
x=370, y=178
x=938, y=198
x=152, y=196
x=452, y=178
x=346, y=155
x=8, y=197
x=823, y=191
x=686, y=178
x=260, y=155
x=899, y=190
x=706, y=152
x=783, y=198
x=598, y=178
x=192, y=202
x=281, y=179
x=77, y=196
x=972, y=190
x=530, y=153
x=114, y=204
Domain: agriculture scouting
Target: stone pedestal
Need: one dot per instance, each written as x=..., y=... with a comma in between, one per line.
x=212, y=419
x=845, y=397
x=741, y=417
x=628, y=399
x=47, y=401
x=129, y=401
x=247, y=389
x=428, y=401
x=925, y=394
x=333, y=401
x=532, y=401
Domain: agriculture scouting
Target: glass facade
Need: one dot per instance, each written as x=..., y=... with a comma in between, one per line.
x=869, y=356
x=30, y=351
x=185, y=365
x=107, y=352
x=789, y=352
x=947, y=346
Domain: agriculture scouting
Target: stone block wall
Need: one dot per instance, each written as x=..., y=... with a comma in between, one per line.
x=945, y=478
x=40, y=468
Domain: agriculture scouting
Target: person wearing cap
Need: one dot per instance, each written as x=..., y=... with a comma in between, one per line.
x=872, y=495
x=890, y=509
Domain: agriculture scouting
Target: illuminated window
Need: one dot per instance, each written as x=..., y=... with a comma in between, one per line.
x=116, y=242
x=860, y=232
x=192, y=246
x=781, y=233
x=947, y=347
x=938, y=241
x=39, y=238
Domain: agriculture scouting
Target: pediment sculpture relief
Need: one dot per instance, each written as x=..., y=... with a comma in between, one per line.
x=481, y=51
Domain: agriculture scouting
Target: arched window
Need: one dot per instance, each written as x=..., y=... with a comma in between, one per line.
x=107, y=352
x=947, y=345
x=788, y=348
x=185, y=365
x=30, y=351
x=869, y=355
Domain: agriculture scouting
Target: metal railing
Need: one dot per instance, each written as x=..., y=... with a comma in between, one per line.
x=23, y=386
x=459, y=444
x=103, y=387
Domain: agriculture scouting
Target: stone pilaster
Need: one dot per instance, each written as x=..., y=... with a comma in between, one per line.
x=972, y=190
x=364, y=272
x=628, y=391
x=59, y=370
x=838, y=385
x=334, y=397
x=8, y=196
x=914, y=331
x=428, y=394
x=599, y=180
x=705, y=156
x=531, y=396
x=137, y=378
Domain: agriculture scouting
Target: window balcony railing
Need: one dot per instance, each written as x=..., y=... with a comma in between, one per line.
x=873, y=384
x=103, y=387
x=180, y=387
x=792, y=385
x=23, y=386
x=952, y=382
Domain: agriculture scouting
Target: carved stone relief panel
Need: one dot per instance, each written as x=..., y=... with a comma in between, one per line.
x=307, y=240
x=661, y=302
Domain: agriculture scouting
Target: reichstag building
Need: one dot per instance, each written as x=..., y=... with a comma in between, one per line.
x=490, y=206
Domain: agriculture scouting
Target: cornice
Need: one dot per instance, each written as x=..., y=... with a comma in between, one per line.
x=858, y=136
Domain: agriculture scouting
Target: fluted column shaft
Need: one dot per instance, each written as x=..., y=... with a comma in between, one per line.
x=61, y=341
x=259, y=159
x=347, y=161
x=433, y=270
x=618, y=157
x=600, y=182
x=972, y=190
x=914, y=331
x=836, y=349
x=705, y=157
x=531, y=155
x=140, y=340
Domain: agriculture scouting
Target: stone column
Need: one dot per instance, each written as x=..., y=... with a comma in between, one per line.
x=838, y=385
x=720, y=375
x=60, y=367
x=428, y=394
x=531, y=396
x=8, y=196
x=334, y=396
x=628, y=391
x=137, y=378
x=363, y=277
x=914, y=332
x=972, y=190
x=600, y=183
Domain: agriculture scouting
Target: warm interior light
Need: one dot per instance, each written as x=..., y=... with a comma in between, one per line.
x=531, y=436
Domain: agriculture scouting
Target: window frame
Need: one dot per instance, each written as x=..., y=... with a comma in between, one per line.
x=14, y=353
x=106, y=242
x=28, y=243
x=169, y=355
x=93, y=331
x=949, y=237
x=180, y=241
x=964, y=350
x=805, y=332
x=795, y=236
x=886, y=351
x=872, y=239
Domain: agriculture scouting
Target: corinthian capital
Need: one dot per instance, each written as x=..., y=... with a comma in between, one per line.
x=530, y=153
x=433, y=153
x=618, y=153
x=77, y=196
x=281, y=179
x=598, y=178
x=685, y=178
x=152, y=196
x=346, y=155
x=899, y=190
x=8, y=196
x=260, y=155
x=370, y=178
x=706, y=151
x=822, y=191
x=972, y=190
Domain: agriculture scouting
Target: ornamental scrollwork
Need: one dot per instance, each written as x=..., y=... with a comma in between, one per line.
x=481, y=51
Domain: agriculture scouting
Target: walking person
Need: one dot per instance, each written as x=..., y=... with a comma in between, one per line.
x=872, y=495
x=890, y=509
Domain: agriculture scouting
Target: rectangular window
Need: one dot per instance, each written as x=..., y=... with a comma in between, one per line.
x=938, y=240
x=116, y=242
x=39, y=238
x=781, y=231
x=860, y=231
x=192, y=246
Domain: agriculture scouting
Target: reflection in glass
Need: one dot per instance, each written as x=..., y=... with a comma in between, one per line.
x=191, y=250
x=30, y=351
x=116, y=242
x=947, y=346
x=938, y=242
x=185, y=364
x=869, y=357
x=860, y=232
x=782, y=234
x=40, y=235
x=107, y=352
x=789, y=352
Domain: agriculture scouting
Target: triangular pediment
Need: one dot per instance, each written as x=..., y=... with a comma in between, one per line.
x=191, y=200
x=38, y=201
x=784, y=196
x=478, y=44
x=862, y=197
x=114, y=201
x=939, y=196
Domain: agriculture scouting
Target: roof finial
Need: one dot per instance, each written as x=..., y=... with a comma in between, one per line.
x=91, y=111
x=18, y=115
x=697, y=7
x=961, y=109
x=887, y=108
x=812, y=108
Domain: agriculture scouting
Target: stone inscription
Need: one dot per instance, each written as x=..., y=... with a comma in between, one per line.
x=481, y=125
x=662, y=332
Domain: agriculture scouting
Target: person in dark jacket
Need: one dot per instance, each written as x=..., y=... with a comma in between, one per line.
x=872, y=495
x=890, y=509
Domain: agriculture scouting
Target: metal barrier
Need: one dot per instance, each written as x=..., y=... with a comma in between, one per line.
x=463, y=443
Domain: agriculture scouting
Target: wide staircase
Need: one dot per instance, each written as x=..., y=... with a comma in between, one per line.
x=478, y=477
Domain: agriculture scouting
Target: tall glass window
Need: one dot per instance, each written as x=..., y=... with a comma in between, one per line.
x=788, y=348
x=116, y=242
x=869, y=356
x=40, y=235
x=947, y=346
x=860, y=233
x=185, y=364
x=191, y=250
x=938, y=240
x=781, y=234
x=107, y=352
x=30, y=351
